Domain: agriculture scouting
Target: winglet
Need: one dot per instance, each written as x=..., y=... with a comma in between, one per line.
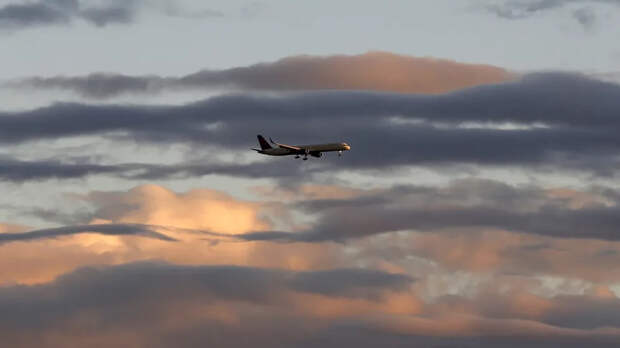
x=273, y=142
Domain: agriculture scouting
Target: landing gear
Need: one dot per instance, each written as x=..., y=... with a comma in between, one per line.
x=305, y=158
x=297, y=156
x=306, y=155
x=339, y=153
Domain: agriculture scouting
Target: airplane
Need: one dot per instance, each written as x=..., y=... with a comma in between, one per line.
x=298, y=150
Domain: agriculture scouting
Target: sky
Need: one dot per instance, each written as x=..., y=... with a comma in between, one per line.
x=479, y=205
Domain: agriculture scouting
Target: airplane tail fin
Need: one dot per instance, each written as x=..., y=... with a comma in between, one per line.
x=264, y=145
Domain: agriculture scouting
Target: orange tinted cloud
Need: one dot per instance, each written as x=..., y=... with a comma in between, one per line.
x=164, y=301
x=491, y=250
x=37, y=261
x=377, y=71
x=201, y=209
x=382, y=71
x=330, y=307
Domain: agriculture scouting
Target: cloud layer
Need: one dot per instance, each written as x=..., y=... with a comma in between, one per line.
x=543, y=120
x=375, y=71
x=330, y=301
x=169, y=301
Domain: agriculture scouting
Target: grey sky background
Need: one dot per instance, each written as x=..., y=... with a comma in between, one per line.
x=250, y=32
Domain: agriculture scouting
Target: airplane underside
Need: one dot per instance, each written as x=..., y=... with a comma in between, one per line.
x=312, y=153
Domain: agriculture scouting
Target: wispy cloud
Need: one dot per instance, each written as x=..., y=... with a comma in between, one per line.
x=54, y=12
x=16, y=16
x=105, y=229
x=520, y=9
x=15, y=170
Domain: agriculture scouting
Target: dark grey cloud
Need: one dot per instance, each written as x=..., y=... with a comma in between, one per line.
x=568, y=311
x=109, y=287
x=53, y=12
x=19, y=171
x=37, y=13
x=593, y=313
x=495, y=205
x=105, y=229
x=519, y=9
x=22, y=15
x=580, y=117
x=98, y=85
x=516, y=9
x=585, y=16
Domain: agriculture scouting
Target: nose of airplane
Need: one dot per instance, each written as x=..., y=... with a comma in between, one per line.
x=347, y=147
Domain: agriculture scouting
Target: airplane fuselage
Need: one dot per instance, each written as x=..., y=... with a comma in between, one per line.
x=278, y=151
x=315, y=150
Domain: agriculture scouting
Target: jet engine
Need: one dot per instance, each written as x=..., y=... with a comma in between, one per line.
x=316, y=154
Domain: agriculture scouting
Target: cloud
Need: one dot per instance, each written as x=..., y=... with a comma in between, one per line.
x=199, y=209
x=464, y=205
x=105, y=229
x=15, y=170
x=493, y=251
x=97, y=85
x=452, y=226
x=54, y=12
x=470, y=204
x=201, y=221
x=584, y=311
x=562, y=120
x=37, y=13
x=111, y=287
x=119, y=12
x=520, y=9
x=517, y=9
x=585, y=16
x=160, y=303
x=151, y=304
x=375, y=71
x=16, y=16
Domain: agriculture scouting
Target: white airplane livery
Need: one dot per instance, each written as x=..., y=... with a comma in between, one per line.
x=298, y=150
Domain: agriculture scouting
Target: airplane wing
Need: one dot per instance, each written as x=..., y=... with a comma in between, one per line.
x=288, y=147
